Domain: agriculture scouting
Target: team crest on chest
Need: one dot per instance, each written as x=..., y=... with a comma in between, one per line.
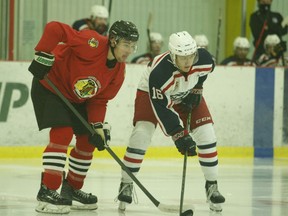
x=93, y=42
x=86, y=87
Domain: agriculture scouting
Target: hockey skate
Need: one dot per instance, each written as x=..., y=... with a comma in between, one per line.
x=125, y=195
x=214, y=198
x=51, y=202
x=80, y=200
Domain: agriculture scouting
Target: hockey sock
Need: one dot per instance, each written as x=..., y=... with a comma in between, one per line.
x=54, y=156
x=79, y=161
x=205, y=138
x=208, y=159
x=132, y=159
x=138, y=143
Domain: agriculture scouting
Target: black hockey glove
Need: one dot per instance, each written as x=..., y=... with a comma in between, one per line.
x=184, y=142
x=41, y=64
x=280, y=48
x=101, y=136
x=192, y=100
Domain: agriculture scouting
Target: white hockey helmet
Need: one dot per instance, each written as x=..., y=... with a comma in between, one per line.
x=99, y=11
x=241, y=42
x=271, y=40
x=181, y=44
x=201, y=40
x=157, y=37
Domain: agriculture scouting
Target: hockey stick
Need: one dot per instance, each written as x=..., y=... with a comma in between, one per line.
x=187, y=212
x=218, y=36
x=149, y=22
x=110, y=9
x=258, y=42
x=160, y=206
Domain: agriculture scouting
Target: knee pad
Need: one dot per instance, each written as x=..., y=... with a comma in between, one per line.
x=204, y=134
x=83, y=145
x=141, y=135
x=61, y=135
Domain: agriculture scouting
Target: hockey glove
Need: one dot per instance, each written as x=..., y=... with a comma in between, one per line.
x=279, y=49
x=101, y=136
x=107, y=130
x=192, y=100
x=41, y=64
x=184, y=143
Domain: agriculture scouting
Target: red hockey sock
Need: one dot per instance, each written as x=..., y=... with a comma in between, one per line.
x=54, y=156
x=80, y=161
x=52, y=180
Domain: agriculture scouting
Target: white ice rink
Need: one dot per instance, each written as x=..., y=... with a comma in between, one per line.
x=252, y=187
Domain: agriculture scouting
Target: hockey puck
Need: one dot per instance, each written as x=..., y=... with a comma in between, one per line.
x=187, y=213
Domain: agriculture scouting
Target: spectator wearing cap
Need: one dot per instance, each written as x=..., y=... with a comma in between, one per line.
x=98, y=20
x=239, y=58
x=154, y=48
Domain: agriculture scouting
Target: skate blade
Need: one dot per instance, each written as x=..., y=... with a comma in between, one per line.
x=81, y=206
x=122, y=206
x=44, y=207
x=215, y=207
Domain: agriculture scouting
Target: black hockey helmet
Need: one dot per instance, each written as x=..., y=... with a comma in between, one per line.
x=124, y=29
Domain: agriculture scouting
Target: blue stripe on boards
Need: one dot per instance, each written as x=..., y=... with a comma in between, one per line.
x=285, y=107
x=264, y=112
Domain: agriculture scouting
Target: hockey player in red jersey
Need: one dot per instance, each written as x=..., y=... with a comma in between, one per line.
x=170, y=88
x=89, y=70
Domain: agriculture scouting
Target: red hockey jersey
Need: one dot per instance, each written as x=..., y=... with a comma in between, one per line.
x=80, y=70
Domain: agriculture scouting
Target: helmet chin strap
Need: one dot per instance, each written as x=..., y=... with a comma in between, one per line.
x=112, y=48
x=111, y=63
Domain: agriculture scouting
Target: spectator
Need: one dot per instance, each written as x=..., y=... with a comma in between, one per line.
x=241, y=48
x=98, y=20
x=202, y=41
x=264, y=22
x=154, y=48
x=272, y=55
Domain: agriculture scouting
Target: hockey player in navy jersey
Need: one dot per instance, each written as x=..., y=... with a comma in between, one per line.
x=170, y=88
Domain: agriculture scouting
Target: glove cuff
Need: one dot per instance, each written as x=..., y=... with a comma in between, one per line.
x=44, y=58
x=97, y=125
x=179, y=135
x=197, y=90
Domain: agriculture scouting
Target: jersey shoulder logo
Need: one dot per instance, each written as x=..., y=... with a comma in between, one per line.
x=93, y=42
x=86, y=87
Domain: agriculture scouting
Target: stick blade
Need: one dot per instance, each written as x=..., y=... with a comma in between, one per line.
x=174, y=208
x=187, y=213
